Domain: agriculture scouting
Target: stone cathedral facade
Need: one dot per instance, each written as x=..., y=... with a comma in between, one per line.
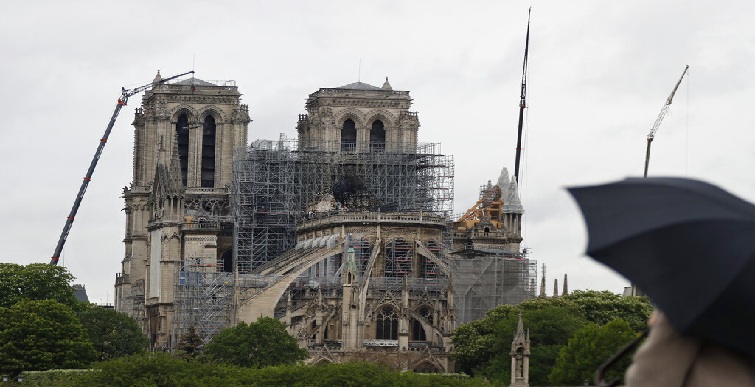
x=345, y=236
x=185, y=136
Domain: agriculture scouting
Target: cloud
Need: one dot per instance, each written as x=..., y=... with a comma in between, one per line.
x=599, y=74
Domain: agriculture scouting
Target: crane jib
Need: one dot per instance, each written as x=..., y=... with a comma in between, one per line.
x=125, y=94
x=659, y=119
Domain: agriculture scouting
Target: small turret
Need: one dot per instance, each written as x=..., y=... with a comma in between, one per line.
x=520, y=356
x=386, y=85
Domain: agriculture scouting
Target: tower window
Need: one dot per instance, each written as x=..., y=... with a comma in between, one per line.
x=182, y=138
x=208, y=152
x=348, y=136
x=377, y=137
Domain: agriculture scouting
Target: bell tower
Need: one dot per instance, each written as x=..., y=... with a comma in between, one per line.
x=359, y=118
x=185, y=137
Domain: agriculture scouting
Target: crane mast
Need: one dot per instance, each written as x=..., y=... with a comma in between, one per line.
x=522, y=101
x=125, y=94
x=658, y=120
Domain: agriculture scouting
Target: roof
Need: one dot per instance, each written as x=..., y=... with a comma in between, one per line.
x=359, y=86
x=80, y=292
x=195, y=82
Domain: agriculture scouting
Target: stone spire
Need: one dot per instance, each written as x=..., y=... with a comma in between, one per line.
x=542, y=283
x=503, y=181
x=512, y=203
x=509, y=193
x=555, y=287
x=565, y=291
x=520, y=356
x=349, y=272
x=519, y=334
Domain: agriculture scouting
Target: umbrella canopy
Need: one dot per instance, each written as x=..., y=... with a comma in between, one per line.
x=687, y=244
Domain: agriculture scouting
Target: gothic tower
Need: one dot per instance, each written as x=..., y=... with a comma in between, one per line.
x=177, y=206
x=359, y=118
x=520, y=356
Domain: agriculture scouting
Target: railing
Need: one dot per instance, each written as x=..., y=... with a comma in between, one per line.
x=376, y=217
x=205, y=190
x=336, y=91
x=201, y=225
x=414, y=284
x=380, y=343
x=121, y=279
x=349, y=146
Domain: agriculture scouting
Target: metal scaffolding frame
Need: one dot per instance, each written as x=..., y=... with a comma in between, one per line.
x=484, y=282
x=203, y=298
x=276, y=185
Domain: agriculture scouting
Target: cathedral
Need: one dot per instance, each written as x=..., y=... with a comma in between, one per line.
x=345, y=232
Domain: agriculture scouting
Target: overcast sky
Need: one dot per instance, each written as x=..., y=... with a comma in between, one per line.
x=599, y=74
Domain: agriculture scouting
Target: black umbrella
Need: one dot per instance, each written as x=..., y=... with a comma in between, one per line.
x=689, y=245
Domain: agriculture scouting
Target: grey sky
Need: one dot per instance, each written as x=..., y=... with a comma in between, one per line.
x=599, y=74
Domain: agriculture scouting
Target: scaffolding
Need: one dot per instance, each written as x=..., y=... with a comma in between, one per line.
x=484, y=282
x=276, y=184
x=203, y=297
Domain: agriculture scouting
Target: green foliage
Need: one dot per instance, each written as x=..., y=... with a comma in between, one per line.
x=549, y=328
x=190, y=343
x=588, y=349
x=164, y=370
x=602, y=307
x=52, y=378
x=41, y=335
x=259, y=344
x=482, y=347
x=157, y=369
x=112, y=333
x=36, y=281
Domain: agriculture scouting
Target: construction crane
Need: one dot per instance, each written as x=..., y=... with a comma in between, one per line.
x=125, y=94
x=658, y=120
x=522, y=101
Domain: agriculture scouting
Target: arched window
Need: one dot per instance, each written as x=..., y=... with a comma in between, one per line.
x=386, y=324
x=348, y=136
x=377, y=137
x=398, y=258
x=208, y=152
x=182, y=138
x=418, y=332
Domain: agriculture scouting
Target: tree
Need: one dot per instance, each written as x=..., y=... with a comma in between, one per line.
x=36, y=281
x=259, y=344
x=549, y=327
x=588, y=349
x=601, y=307
x=190, y=343
x=41, y=335
x=160, y=369
x=481, y=347
x=112, y=333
